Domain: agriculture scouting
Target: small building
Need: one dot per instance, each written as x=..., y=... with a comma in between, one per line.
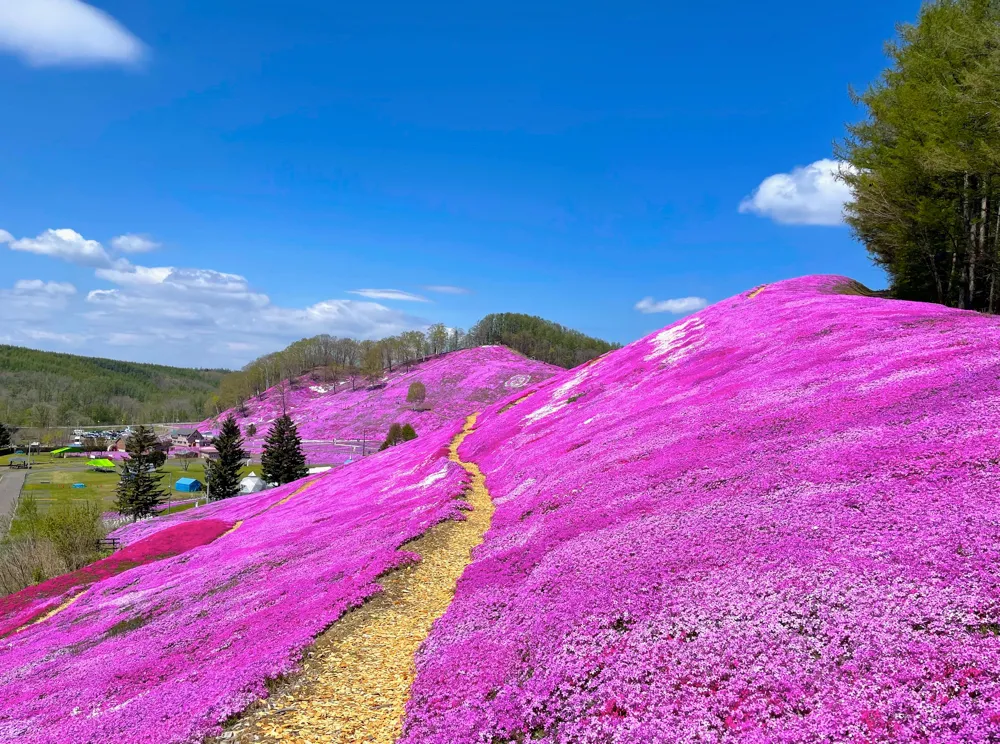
x=187, y=438
x=187, y=485
x=252, y=484
x=18, y=463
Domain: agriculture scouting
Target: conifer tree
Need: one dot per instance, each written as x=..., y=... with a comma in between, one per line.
x=223, y=472
x=139, y=492
x=408, y=433
x=283, y=461
x=5, y=437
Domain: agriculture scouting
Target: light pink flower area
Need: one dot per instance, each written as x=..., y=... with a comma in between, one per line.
x=458, y=383
x=777, y=520
x=164, y=651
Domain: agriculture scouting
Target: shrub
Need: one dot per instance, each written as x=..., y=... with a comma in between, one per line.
x=417, y=393
x=408, y=433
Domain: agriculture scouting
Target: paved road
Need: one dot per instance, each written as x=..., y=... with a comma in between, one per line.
x=10, y=487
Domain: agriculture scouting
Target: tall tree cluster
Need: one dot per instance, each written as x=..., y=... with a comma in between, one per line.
x=223, y=471
x=139, y=492
x=283, y=460
x=924, y=164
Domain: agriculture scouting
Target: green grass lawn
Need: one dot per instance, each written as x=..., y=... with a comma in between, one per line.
x=51, y=480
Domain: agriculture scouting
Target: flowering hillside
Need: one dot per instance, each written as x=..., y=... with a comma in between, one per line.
x=161, y=645
x=775, y=521
x=457, y=384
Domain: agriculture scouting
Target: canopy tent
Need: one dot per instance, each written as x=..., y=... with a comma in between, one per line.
x=102, y=464
x=64, y=450
x=252, y=484
x=187, y=485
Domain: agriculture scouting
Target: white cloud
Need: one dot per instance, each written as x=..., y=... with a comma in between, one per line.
x=447, y=289
x=166, y=313
x=55, y=289
x=34, y=301
x=134, y=244
x=6, y=237
x=388, y=294
x=65, y=32
x=69, y=245
x=807, y=196
x=677, y=306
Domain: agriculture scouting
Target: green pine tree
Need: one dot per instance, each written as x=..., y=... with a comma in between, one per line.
x=408, y=433
x=223, y=472
x=283, y=460
x=139, y=491
x=5, y=437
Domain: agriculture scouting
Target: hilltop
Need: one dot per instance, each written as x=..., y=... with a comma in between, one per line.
x=457, y=384
x=44, y=388
x=772, y=521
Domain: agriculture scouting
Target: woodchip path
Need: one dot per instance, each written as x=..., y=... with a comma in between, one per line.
x=355, y=681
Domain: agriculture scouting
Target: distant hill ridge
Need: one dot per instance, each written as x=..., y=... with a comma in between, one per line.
x=44, y=388
x=457, y=383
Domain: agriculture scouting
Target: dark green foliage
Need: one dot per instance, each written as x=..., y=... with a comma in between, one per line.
x=408, y=433
x=41, y=388
x=139, y=491
x=5, y=437
x=394, y=437
x=417, y=393
x=251, y=430
x=283, y=461
x=223, y=472
x=538, y=338
x=926, y=159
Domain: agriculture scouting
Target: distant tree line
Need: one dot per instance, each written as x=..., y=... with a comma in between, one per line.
x=41, y=389
x=538, y=338
x=924, y=164
x=346, y=360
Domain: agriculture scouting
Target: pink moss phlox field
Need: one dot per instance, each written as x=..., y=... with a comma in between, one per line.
x=777, y=520
x=458, y=384
x=29, y=604
x=165, y=651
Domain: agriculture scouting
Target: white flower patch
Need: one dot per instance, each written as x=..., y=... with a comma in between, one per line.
x=517, y=381
x=433, y=478
x=546, y=410
x=668, y=342
x=319, y=389
x=558, y=397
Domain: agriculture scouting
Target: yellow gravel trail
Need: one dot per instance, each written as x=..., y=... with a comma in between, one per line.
x=355, y=682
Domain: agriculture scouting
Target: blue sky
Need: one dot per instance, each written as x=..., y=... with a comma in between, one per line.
x=266, y=162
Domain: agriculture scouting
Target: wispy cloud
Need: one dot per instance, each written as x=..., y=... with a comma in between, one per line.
x=134, y=244
x=388, y=294
x=678, y=306
x=65, y=32
x=217, y=312
x=810, y=195
x=68, y=245
x=447, y=289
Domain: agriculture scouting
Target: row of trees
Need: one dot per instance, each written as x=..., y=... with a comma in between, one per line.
x=140, y=492
x=334, y=360
x=924, y=164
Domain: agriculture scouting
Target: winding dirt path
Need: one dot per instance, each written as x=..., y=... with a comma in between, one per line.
x=355, y=682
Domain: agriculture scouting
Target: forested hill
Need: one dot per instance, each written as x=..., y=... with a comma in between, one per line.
x=41, y=388
x=538, y=338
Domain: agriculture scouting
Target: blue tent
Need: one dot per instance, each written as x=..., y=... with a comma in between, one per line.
x=188, y=485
